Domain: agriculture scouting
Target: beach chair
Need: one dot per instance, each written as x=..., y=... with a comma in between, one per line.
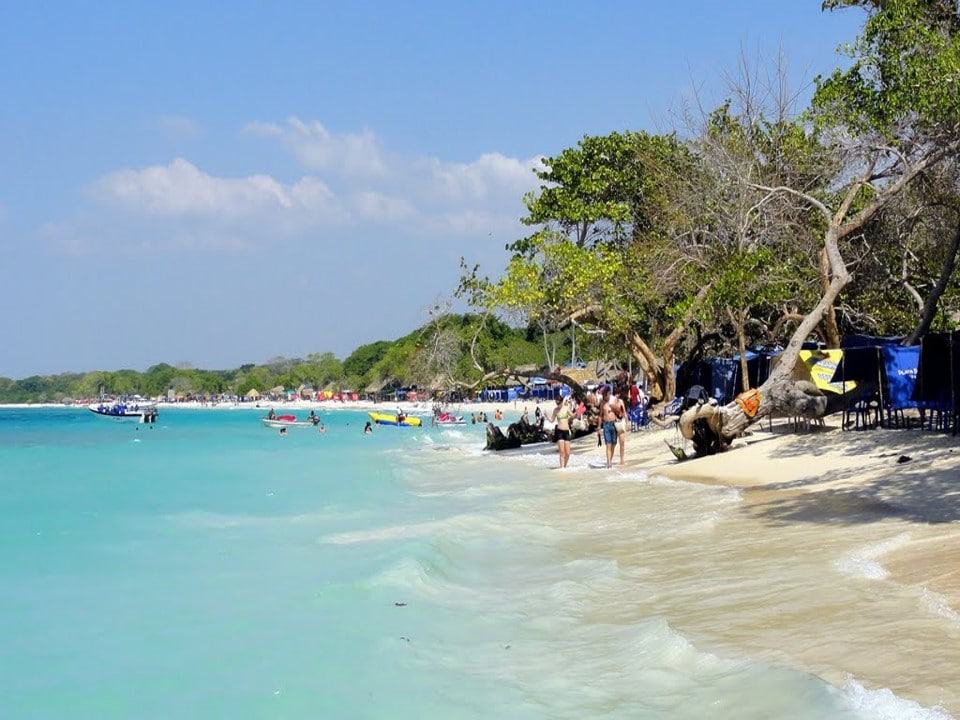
x=866, y=413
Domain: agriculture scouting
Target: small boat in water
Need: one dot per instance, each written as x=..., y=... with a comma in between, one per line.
x=288, y=421
x=448, y=419
x=126, y=409
x=391, y=419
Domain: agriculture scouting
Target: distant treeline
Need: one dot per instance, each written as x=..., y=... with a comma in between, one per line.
x=409, y=360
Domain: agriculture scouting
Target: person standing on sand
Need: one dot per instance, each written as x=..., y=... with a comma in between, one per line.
x=612, y=412
x=620, y=410
x=561, y=416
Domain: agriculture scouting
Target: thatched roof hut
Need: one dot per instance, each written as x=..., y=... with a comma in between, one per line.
x=252, y=394
x=581, y=376
x=378, y=386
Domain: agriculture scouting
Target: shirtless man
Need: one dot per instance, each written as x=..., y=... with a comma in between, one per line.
x=612, y=412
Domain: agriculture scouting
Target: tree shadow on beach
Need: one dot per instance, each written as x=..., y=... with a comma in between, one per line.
x=924, y=487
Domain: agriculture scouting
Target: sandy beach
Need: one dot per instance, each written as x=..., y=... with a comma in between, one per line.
x=859, y=527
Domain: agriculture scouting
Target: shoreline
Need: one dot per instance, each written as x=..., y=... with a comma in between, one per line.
x=876, y=542
x=357, y=405
x=886, y=531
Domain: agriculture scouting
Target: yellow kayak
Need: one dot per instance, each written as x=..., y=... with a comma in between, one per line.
x=391, y=419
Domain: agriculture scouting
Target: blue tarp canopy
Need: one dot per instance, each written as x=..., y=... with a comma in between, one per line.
x=860, y=341
x=860, y=364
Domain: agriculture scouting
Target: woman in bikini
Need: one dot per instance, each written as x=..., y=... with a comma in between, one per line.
x=561, y=416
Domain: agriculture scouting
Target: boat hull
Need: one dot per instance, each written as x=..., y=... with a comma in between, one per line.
x=116, y=413
x=286, y=423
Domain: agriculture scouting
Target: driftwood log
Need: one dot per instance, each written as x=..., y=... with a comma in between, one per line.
x=524, y=432
x=713, y=427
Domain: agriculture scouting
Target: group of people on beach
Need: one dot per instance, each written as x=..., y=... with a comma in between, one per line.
x=609, y=406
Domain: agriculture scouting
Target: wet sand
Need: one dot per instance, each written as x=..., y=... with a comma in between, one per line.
x=835, y=558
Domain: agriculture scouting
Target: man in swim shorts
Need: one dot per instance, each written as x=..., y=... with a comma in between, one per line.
x=608, y=426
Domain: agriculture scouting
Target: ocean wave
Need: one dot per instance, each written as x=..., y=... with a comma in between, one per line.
x=629, y=476
x=391, y=532
x=884, y=704
x=456, y=527
x=414, y=576
x=864, y=562
x=718, y=492
x=201, y=519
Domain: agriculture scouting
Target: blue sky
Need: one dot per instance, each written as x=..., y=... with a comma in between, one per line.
x=220, y=183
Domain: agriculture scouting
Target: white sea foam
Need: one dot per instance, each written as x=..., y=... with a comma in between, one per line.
x=884, y=704
x=459, y=528
x=629, y=476
x=731, y=494
x=200, y=519
x=392, y=532
x=864, y=562
x=937, y=604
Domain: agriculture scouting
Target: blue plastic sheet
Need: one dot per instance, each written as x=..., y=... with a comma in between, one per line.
x=723, y=375
x=900, y=367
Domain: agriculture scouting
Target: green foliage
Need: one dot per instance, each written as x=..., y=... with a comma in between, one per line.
x=905, y=70
x=395, y=360
x=361, y=360
x=607, y=186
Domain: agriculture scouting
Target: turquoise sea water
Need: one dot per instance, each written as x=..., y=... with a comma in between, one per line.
x=209, y=568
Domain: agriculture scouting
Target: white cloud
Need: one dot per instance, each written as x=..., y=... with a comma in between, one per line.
x=378, y=207
x=316, y=148
x=180, y=189
x=489, y=177
x=353, y=183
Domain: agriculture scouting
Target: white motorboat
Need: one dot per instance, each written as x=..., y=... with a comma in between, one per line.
x=135, y=408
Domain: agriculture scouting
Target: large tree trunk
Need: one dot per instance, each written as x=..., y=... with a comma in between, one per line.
x=831, y=329
x=739, y=325
x=661, y=378
x=713, y=427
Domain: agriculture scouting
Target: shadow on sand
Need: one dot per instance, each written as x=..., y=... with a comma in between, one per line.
x=917, y=490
